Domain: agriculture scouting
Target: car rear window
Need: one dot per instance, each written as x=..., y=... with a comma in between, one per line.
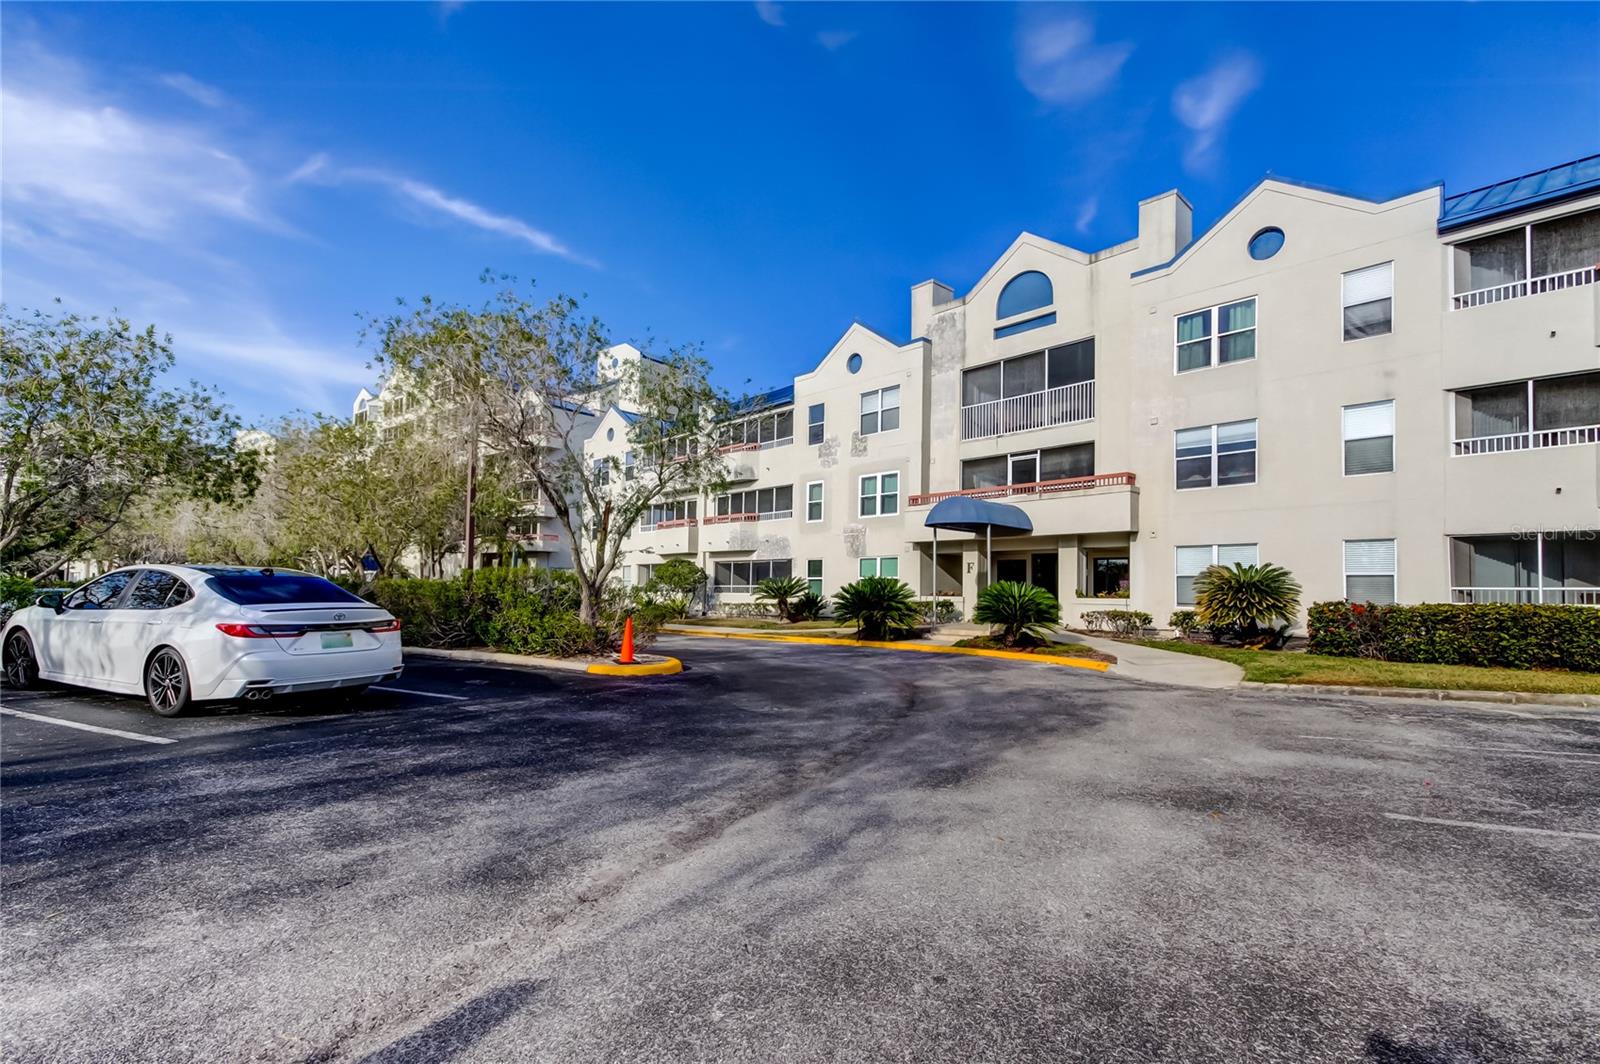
x=261, y=589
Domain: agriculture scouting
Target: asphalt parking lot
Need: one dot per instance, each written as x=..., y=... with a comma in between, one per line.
x=799, y=854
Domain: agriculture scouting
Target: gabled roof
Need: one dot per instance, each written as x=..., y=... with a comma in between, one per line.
x=1520, y=193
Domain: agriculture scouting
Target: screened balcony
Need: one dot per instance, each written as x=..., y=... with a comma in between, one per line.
x=1528, y=260
x=1032, y=391
x=1554, y=568
x=1548, y=412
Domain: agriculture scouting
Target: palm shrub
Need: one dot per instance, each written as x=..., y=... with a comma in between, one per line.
x=1017, y=610
x=1246, y=598
x=808, y=607
x=879, y=605
x=780, y=591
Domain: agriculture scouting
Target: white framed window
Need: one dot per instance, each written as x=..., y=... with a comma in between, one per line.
x=814, y=576
x=1213, y=456
x=765, y=430
x=1369, y=571
x=880, y=410
x=628, y=466
x=813, y=502
x=1192, y=561
x=1368, y=431
x=888, y=565
x=880, y=495
x=1368, y=301
x=1215, y=336
x=814, y=419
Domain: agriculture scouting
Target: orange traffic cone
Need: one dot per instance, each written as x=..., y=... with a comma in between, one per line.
x=626, y=657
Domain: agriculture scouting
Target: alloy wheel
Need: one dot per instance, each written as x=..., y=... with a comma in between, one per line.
x=165, y=682
x=19, y=661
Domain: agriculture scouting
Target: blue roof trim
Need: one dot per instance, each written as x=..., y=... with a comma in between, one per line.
x=1550, y=185
x=627, y=415
x=1197, y=237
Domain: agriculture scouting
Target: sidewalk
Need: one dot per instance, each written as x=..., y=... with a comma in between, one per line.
x=1159, y=666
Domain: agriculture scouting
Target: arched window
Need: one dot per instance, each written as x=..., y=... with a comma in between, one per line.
x=1024, y=292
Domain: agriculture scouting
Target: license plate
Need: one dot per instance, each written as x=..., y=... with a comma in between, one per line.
x=335, y=640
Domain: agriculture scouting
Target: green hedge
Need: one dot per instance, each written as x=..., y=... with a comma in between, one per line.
x=518, y=610
x=1509, y=636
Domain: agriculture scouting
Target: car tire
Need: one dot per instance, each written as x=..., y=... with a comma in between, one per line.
x=21, y=664
x=166, y=683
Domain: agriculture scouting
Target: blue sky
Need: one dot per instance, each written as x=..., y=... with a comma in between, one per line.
x=751, y=177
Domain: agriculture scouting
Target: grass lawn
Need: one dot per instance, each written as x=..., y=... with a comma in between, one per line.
x=1056, y=650
x=762, y=623
x=1269, y=666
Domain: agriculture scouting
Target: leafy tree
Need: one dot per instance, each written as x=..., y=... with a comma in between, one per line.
x=528, y=380
x=879, y=605
x=87, y=434
x=1018, y=610
x=780, y=591
x=1246, y=597
x=676, y=578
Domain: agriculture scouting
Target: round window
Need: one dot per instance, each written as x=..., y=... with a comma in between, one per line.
x=615, y=362
x=1266, y=243
x=853, y=364
x=611, y=434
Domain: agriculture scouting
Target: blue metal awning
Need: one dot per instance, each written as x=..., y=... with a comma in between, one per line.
x=965, y=514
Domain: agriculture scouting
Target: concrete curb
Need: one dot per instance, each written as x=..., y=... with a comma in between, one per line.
x=920, y=648
x=661, y=666
x=1432, y=694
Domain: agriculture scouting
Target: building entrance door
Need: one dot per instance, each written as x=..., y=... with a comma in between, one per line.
x=1044, y=573
x=1012, y=569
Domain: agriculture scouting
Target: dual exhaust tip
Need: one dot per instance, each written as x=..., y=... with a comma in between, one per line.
x=258, y=694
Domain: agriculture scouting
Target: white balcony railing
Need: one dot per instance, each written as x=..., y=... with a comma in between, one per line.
x=1042, y=489
x=1036, y=410
x=1556, y=596
x=1554, y=282
x=770, y=515
x=1522, y=441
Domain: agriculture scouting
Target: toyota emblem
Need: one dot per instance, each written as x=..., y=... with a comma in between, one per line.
x=338, y=616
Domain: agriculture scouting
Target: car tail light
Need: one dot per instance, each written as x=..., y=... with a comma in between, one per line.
x=261, y=631
x=244, y=631
x=391, y=625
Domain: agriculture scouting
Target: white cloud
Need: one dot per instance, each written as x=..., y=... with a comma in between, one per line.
x=833, y=40
x=70, y=161
x=198, y=91
x=1087, y=213
x=1205, y=104
x=771, y=13
x=318, y=169
x=1059, y=61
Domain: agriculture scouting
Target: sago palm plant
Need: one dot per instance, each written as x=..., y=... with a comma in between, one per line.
x=879, y=605
x=1246, y=598
x=780, y=591
x=1017, y=610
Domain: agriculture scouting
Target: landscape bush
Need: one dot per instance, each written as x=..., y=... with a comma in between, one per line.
x=810, y=606
x=1514, y=636
x=780, y=591
x=1018, y=610
x=1117, y=622
x=939, y=611
x=881, y=607
x=1185, y=622
x=433, y=613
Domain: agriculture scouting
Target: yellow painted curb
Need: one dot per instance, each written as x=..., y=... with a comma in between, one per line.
x=669, y=667
x=921, y=648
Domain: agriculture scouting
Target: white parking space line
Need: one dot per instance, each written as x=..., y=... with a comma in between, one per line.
x=424, y=694
x=1504, y=751
x=1515, y=829
x=41, y=718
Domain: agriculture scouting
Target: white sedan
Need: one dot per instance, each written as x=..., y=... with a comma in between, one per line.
x=178, y=634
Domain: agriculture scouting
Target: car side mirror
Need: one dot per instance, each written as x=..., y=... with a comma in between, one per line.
x=51, y=600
